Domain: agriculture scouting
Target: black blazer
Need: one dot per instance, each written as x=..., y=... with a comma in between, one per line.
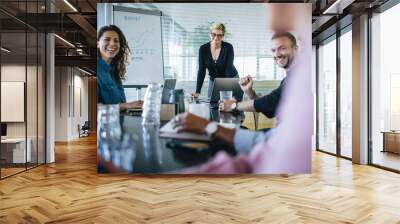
x=222, y=68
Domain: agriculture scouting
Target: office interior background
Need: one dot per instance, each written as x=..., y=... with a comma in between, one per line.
x=48, y=63
x=185, y=27
x=47, y=80
x=67, y=45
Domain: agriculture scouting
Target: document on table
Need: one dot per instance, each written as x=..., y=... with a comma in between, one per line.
x=168, y=131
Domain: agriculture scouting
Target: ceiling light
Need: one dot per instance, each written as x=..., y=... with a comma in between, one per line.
x=65, y=41
x=329, y=9
x=337, y=7
x=5, y=50
x=84, y=71
x=332, y=8
x=70, y=5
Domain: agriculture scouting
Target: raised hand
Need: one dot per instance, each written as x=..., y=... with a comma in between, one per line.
x=246, y=84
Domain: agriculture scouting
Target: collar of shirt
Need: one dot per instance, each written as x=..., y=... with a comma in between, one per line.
x=104, y=64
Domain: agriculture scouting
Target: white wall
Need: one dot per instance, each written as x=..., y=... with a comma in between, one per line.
x=16, y=73
x=71, y=102
x=13, y=73
x=50, y=92
x=33, y=126
x=360, y=90
x=61, y=103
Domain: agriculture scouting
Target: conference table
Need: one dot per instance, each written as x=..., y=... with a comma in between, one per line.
x=145, y=152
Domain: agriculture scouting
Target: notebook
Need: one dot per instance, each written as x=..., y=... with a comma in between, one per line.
x=168, y=131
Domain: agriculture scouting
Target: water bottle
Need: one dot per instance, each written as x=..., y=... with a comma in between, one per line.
x=177, y=96
x=108, y=129
x=108, y=123
x=188, y=100
x=128, y=153
x=152, y=105
x=151, y=146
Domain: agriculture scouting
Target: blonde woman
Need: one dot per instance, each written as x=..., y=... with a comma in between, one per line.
x=217, y=57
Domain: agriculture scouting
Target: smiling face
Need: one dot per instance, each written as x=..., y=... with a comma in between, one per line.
x=216, y=36
x=283, y=51
x=109, y=45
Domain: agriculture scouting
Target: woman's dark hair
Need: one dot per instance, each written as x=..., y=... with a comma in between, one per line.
x=122, y=58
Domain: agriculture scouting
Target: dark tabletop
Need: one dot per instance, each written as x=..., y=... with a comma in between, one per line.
x=141, y=150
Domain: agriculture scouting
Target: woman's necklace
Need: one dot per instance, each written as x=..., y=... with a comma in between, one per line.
x=215, y=53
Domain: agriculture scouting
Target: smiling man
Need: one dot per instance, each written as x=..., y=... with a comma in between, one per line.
x=283, y=49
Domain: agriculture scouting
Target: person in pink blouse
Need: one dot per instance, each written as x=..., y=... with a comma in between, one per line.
x=287, y=148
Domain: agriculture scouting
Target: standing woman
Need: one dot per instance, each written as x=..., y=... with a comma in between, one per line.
x=113, y=53
x=216, y=56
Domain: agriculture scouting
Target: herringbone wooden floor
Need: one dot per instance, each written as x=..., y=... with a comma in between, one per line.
x=70, y=191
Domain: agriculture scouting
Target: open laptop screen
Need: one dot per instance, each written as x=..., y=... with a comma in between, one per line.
x=226, y=84
x=169, y=84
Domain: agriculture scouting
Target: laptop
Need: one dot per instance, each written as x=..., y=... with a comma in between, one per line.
x=169, y=84
x=225, y=84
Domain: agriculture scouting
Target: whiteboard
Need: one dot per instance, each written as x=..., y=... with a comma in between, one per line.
x=142, y=29
x=12, y=101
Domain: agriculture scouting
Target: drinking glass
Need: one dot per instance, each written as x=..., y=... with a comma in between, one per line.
x=225, y=95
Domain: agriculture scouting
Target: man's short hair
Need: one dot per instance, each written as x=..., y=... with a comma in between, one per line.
x=285, y=34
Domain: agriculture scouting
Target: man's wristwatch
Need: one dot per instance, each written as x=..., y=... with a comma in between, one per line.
x=234, y=106
x=211, y=128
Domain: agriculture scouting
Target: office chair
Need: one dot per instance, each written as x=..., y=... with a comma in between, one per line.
x=84, y=130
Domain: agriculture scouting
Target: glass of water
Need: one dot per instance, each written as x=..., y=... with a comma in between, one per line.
x=225, y=95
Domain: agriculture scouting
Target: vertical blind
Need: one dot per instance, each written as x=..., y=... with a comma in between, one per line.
x=185, y=27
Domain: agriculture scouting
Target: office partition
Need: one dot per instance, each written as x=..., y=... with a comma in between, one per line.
x=327, y=96
x=334, y=94
x=22, y=64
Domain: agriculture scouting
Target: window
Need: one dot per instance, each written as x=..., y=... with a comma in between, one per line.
x=346, y=94
x=385, y=85
x=327, y=96
x=186, y=28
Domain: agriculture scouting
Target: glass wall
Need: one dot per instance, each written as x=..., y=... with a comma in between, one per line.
x=327, y=96
x=185, y=32
x=22, y=89
x=13, y=87
x=41, y=96
x=31, y=98
x=185, y=27
x=346, y=93
x=385, y=88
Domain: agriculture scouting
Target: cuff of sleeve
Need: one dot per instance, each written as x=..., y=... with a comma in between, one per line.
x=257, y=104
x=244, y=140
